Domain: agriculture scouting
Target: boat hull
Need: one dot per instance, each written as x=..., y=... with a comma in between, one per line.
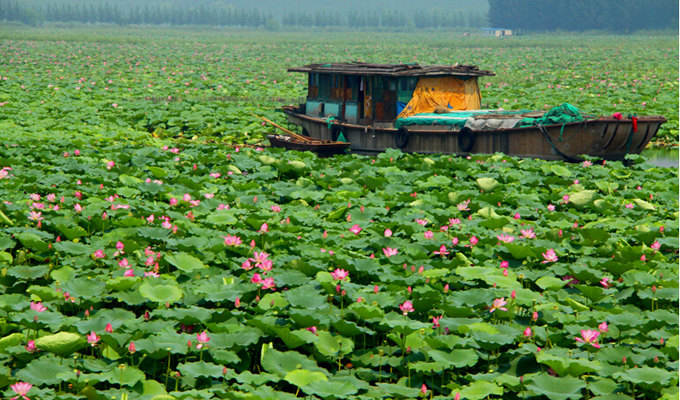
x=323, y=148
x=606, y=138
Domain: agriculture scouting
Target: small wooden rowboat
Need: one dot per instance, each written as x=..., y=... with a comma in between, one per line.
x=293, y=141
x=323, y=148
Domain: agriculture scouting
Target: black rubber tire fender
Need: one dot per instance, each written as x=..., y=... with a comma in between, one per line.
x=402, y=137
x=466, y=140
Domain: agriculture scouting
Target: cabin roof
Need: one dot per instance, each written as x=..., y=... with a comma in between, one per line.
x=361, y=68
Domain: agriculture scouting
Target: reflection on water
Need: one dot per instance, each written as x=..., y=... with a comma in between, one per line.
x=662, y=157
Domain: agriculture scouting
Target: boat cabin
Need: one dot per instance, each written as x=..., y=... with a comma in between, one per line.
x=363, y=93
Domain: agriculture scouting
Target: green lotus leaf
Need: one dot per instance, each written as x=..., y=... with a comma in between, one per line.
x=129, y=180
x=568, y=366
x=644, y=205
x=333, y=345
x=11, y=340
x=479, y=390
x=582, y=198
x=157, y=172
x=303, y=377
x=519, y=252
x=185, y=262
x=487, y=184
x=201, y=368
x=84, y=287
x=32, y=241
x=560, y=170
x=645, y=374
x=457, y=358
x=123, y=376
x=62, y=344
x=28, y=273
x=398, y=390
x=555, y=388
x=331, y=389
x=161, y=293
x=550, y=283
x=282, y=363
x=42, y=371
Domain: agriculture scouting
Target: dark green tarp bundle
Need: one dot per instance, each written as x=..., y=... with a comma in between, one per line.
x=563, y=114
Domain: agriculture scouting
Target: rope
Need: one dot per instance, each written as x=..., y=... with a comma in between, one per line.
x=547, y=137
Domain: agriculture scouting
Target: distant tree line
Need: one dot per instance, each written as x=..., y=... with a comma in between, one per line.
x=582, y=15
x=12, y=10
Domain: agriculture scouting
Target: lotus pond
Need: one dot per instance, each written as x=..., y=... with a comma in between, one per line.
x=147, y=260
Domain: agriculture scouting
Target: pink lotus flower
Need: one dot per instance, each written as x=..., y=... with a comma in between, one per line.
x=276, y=208
x=21, y=388
x=473, y=241
x=435, y=321
x=120, y=246
x=312, y=329
x=129, y=273
x=110, y=164
x=339, y=274
x=505, y=238
x=202, y=339
x=498, y=305
x=131, y=348
x=266, y=266
x=78, y=207
x=551, y=207
x=268, y=283
x=355, y=229
x=232, y=240
x=256, y=279
x=123, y=263
x=603, y=327
x=428, y=235
x=109, y=328
x=31, y=347
x=454, y=221
x=389, y=252
x=151, y=274
x=517, y=216
x=527, y=332
x=629, y=206
x=454, y=241
x=247, y=265
x=464, y=205
x=587, y=163
x=388, y=232
x=550, y=256
x=38, y=307
x=442, y=251
x=606, y=282
x=264, y=228
x=422, y=222
x=259, y=257
x=423, y=389
x=407, y=307
x=590, y=337
x=528, y=233
x=92, y=339
x=571, y=281
x=35, y=216
x=656, y=246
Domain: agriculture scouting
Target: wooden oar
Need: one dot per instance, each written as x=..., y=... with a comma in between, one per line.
x=293, y=134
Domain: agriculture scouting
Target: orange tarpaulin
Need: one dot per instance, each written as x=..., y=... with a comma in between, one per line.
x=447, y=91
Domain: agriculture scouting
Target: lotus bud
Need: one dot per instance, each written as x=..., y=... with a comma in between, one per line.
x=409, y=289
x=423, y=389
x=224, y=370
x=513, y=295
x=237, y=303
x=131, y=348
x=534, y=316
x=87, y=314
x=337, y=289
x=342, y=294
x=661, y=341
x=189, y=344
x=654, y=288
x=146, y=315
x=527, y=332
x=109, y=328
x=446, y=288
x=624, y=360
x=656, y=359
x=505, y=272
x=376, y=289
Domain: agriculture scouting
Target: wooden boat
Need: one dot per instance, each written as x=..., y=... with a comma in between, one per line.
x=381, y=106
x=323, y=148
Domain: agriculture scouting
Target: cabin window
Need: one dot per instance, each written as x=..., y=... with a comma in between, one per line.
x=352, y=84
x=324, y=86
x=313, y=86
x=336, y=87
